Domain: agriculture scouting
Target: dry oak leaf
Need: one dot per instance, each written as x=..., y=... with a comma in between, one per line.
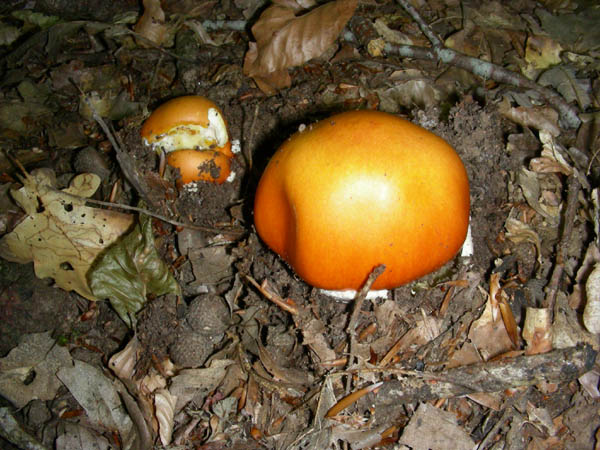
x=60, y=234
x=284, y=40
x=152, y=24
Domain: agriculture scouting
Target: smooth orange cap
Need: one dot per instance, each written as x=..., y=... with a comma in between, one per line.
x=203, y=165
x=360, y=189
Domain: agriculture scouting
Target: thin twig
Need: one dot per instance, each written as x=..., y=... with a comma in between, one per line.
x=271, y=296
x=250, y=142
x=425, y=29
x=148, y=213
x=359, y=299
x=123, y=158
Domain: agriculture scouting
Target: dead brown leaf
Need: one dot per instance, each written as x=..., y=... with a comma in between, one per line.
x=284, y=40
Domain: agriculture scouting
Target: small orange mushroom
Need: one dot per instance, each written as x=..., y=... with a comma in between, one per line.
x=192, y=132
x=360, y=189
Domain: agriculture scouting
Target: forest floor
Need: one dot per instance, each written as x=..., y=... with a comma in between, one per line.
x=206, y=338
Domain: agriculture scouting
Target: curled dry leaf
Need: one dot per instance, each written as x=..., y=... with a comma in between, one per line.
x=488, y=333
x=61, y=235
x=284, y=40
x=540, y=118
x=552, y=159
x=532, y=191
x=28, y=372
x=590, y=382
x=152, y=23
x=164, y=404
x=517, y=232
x=123, y=363
x=591, y=313
x=537, y=330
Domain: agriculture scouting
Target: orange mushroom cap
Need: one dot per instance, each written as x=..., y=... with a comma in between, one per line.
x=195, y=126
x=360, y=189
x=206, y=165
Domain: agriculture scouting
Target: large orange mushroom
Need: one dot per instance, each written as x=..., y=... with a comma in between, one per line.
x=360, y=189
x=192, y=132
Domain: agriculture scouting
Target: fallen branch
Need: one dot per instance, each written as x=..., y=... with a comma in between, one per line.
x=491, y=71
x=441, y=54
x=557, y=366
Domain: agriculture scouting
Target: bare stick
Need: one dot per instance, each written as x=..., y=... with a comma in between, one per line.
x=489, y=71
x=358, y=302
x=556, y=366
x=149, y=213
x=124, y=159
x=271, y=296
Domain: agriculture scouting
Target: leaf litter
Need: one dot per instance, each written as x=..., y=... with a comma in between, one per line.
x=210, y=339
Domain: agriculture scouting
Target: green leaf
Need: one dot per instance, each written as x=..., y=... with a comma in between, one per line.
x=130, y=270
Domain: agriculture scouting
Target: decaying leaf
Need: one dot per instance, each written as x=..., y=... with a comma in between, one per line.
x=80, y=437
x=578, y=31
x=131, y=270
x=284, y=40
x=540, y=417
x=590, y=382
x=191, y=382
x=61, y=235
x=419, y=92
x=28, y=372
x=553, y=151
x=567, y=330
x=518, y=232
x=314, y=336
x=431, y=427
x=100, y=399
x=564, y=80
x=540, y=118
x=530, y=186
x=541, y=52
x=8, y=34
x=123, y=363
x=392, y=36
x=488, y=333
